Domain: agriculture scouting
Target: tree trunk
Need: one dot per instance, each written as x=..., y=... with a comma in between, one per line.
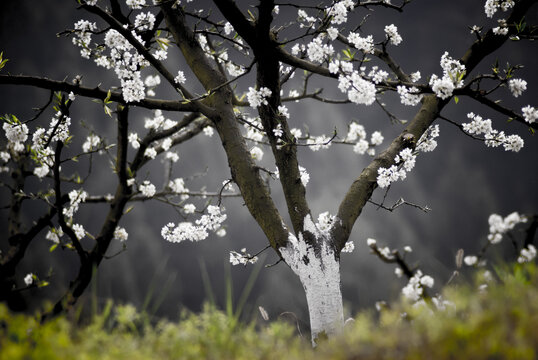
x=318, y=269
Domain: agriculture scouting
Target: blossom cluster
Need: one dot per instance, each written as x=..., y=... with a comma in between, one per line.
x=339, y=10
x=527, y=254
x=356, y=132
x=530, y=114
x=178, y=186
x=492, y=6
x=492, y=137
x=120, y=234
x=415, y=287
x=427, y=142
x=499, y=225
x=453, y=73
x=211, y=221
x=242, y=258
x=517, y=86
x=391, y=31
x=405, y=162
x=222, y=55
x=16, y=134
x=258, y=97
x=305, y=176
x=75, y=198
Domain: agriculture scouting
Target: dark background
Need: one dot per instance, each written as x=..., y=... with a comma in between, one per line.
x=463, y=181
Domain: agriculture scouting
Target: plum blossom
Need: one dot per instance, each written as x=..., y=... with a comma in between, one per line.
x=147, y=189
x=339, y=11
x=391, y=31
x=349, y=247
x=453, y=72
x=256, y=153
x=530, y=114
x=29, y=279
x=120, y=234
x=517, y=86
x=317, y=51
x=242, y=257
x=258, y=97
x=492, y=137
x=199, y=230
x=527, y=254
x=409, y=96
x=427, y=141
x=180, y=78
x=366, y=44
x=91, y=143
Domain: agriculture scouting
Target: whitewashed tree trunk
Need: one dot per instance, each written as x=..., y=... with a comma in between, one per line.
x=319, y=272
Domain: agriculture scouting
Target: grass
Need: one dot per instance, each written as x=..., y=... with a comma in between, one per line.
x=499, y=323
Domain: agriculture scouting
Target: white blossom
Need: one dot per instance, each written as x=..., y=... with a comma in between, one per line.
x=283, y=111
x=409, y=96
x=391, y=31
x=366, y=44
x=278, y=132
x=189, y=208
x=180, y=78
x=349, y=247
x=5, y=156
x=75, y=198
x=258, y=97
x=361, y=147
x=242, y=258
x=256, y=153
x=144, y=21
x=228, y=28
x=133, y=140
x=527, y=254
x=152, y=81
x=150, y=152
x=517, y=86
x=135, y=4
x=317, y=51
x=80, y=233
x=178, y=186
x=530, y=114
x=195, y=232
x=41, y=171
x=120, y=234
x=427, y=141
x=172, y=156
x=54, y=235
x=147, y=189
x=29, y=279
x=470, y=260
x=91, y=143
x=208, y=131
x=371, y=242
x=339, y=11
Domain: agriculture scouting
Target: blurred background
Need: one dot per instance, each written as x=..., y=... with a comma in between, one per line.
x=462, y=181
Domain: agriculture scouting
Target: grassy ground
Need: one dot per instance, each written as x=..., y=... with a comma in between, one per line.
x=498, y=323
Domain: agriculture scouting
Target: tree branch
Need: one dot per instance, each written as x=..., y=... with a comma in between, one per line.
x=96, y=93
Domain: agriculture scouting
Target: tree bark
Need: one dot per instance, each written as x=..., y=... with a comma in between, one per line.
x=318, y=267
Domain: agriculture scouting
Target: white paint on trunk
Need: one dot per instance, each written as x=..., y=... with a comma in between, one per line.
x=320, y=275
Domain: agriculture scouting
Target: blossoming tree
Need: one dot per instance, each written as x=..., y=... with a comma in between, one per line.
x=222, y=49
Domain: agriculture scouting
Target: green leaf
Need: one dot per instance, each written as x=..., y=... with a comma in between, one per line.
x=107, y=99
x=53, y=247
x=2, y=60
x=128, y=210
x=456, y=99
